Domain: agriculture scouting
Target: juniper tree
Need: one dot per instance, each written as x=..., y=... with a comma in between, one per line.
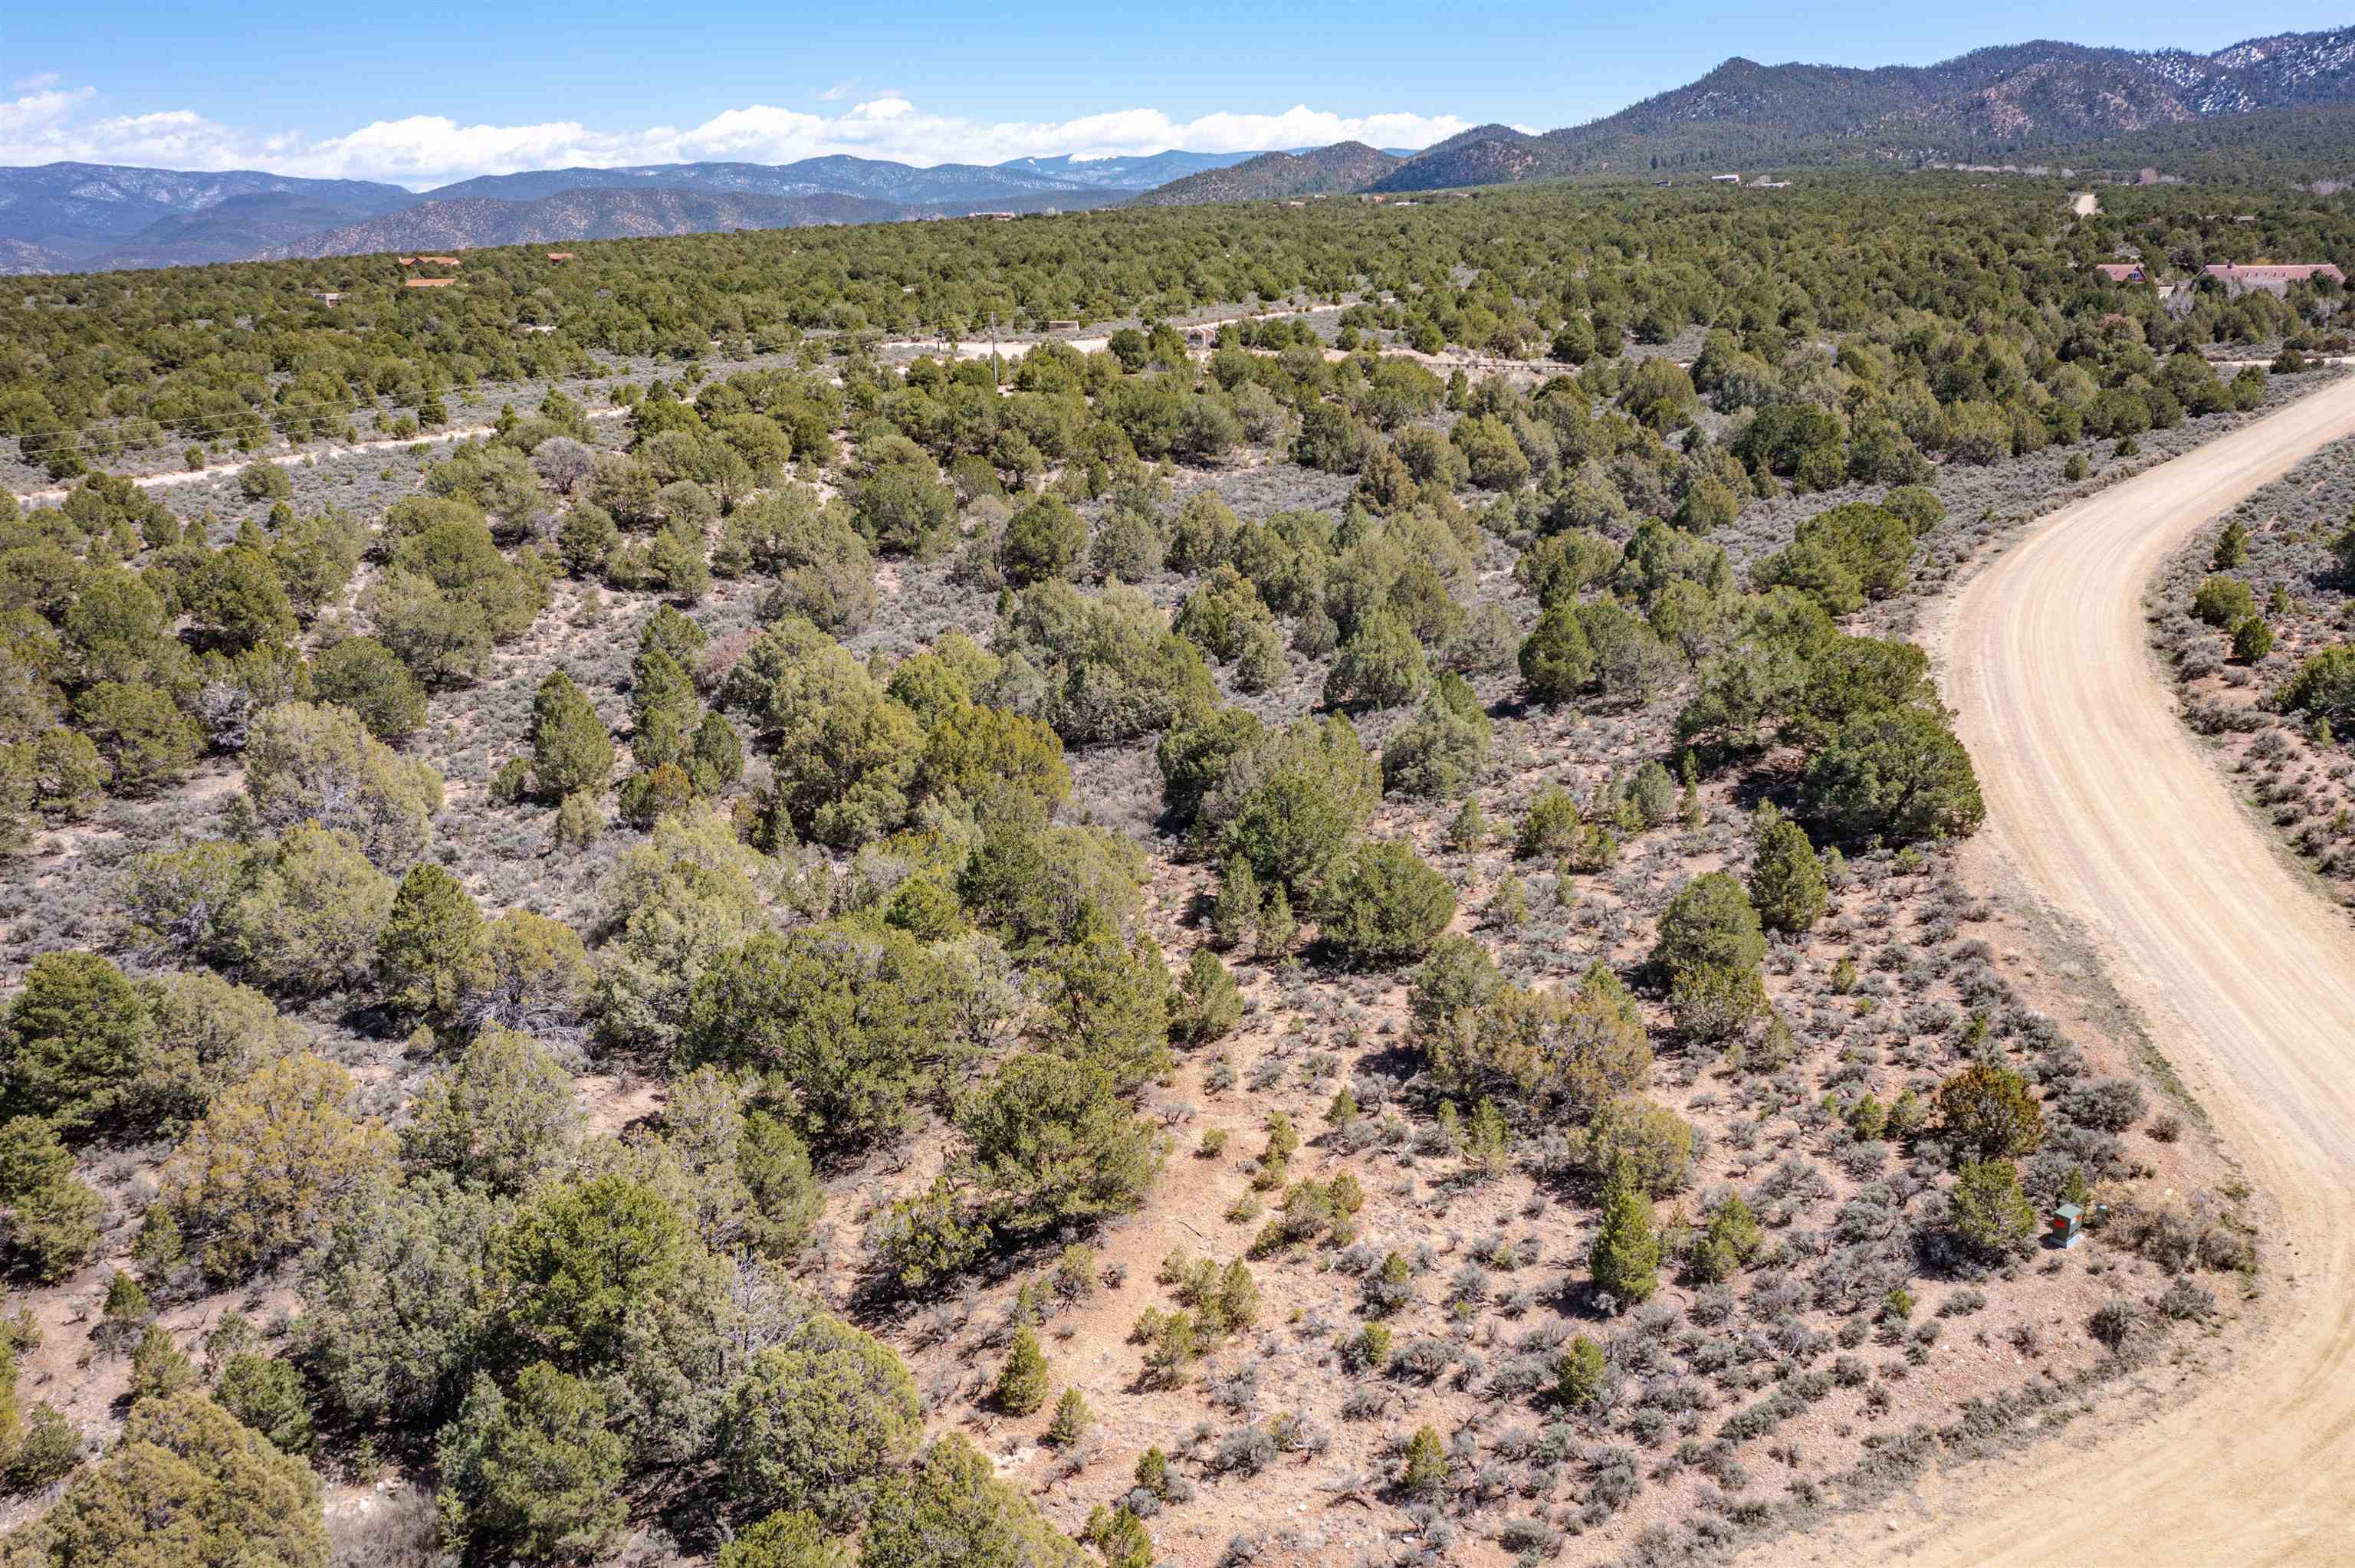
x=2231, y=546
x=950, y=1511
x=570, y=747
x=185, y=1470
x=1578, y=1376
x=819, y=1422
x=76, y=1038
x=1730, y=1239
x=789, y=1537
x=1786, y=880
x=52, y=1227
x=1557, y=662
x=1988, y=1208
x=1209, y=1003
x=534, y=1474
x=1988, y=1112
x=429, y=956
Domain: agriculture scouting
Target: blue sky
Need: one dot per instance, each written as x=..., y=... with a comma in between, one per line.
x=422, y=92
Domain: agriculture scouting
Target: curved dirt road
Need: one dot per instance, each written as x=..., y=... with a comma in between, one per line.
x=2101, y=802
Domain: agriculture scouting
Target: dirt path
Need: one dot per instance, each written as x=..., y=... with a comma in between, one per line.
x=2102, y=802
x=1015, y=348
x=294, y=458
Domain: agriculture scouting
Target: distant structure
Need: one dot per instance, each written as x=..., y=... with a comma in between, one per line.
x=436, y=260
x=1762, y=184
x=427, y=282
x=327, y=296
x=559, y=256
x=2273, y=279
x=2121, y=271
x=1725, y=179
x=995, y=216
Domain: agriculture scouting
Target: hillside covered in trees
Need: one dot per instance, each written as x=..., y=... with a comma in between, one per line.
x=2041, y=99
x=1259, y=939
x=1344, y=166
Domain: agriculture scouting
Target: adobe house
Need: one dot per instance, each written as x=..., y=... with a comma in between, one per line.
x=2272, y=277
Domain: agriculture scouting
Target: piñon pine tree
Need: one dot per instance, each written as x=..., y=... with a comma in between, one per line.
x=1625, y=1257
x=1022, y=1381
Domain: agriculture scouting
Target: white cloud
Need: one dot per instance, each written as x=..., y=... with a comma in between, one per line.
x=37, y=81
x=43, y=112
x=49, y=122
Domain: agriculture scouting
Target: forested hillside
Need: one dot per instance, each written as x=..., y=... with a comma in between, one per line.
x=1327, y=925
x=2003, y=101
x=595, y=213
x=1344, y=166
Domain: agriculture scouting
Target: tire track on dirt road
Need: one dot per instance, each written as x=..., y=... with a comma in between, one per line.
x=2101, y=804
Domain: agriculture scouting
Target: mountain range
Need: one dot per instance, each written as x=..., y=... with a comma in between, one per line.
x=2273, y=102
x=589, y=213
x=1990, y=103
x=64, y=216
x=59, y=217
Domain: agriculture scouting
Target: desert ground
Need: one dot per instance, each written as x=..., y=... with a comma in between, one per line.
x=2099, y=798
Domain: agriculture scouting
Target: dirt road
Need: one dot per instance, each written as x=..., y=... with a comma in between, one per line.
x=1015, y=348
x=2102, y=802
x=170, y=477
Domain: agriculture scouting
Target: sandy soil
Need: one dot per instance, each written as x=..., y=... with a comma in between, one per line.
x=2084, y=204
x=2101, y=800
